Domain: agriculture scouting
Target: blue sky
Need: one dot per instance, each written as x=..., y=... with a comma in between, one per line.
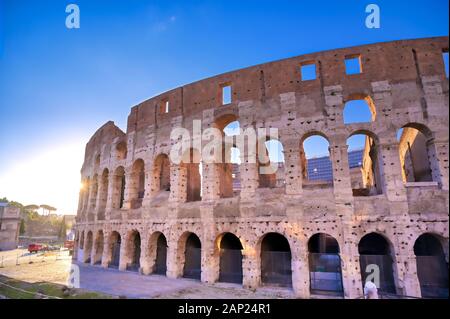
x=57, y=86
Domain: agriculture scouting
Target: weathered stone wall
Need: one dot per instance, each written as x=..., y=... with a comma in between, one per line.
x=9, y=227
x=405, y=81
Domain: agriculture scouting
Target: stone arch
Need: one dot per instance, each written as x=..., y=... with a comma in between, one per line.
x=132, y=254
x=114, y=247
x=276, y=260
x=137, y=184
x=270, y=152
x=365, y=163
x=157, y=253
x=189, y=255
x=86, y=187
x=432, y=268
x=324, y=264
x=98, y=248
x=190, y=169
x=316, y=168
x=121, y=150
x=88, y=247
x=161, y=173
x=94, y=192
x=418, y=154
x=226, y=169
x=375, y=249
x=82, y=240
x=118, y=189
x=229, y=249
x=357, y=101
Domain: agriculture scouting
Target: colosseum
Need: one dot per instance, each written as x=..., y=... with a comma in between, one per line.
x=226, y=221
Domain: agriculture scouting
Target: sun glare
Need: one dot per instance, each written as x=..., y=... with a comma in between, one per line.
x=51, y=177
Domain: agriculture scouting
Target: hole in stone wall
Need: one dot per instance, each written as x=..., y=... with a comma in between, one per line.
x=226, y=94
x=417, y=154
x=315, y=158
x=445, y=59
x=364, y=168
x=359, y=111
x=308, y=71
x=271, y=165
x=353, y=64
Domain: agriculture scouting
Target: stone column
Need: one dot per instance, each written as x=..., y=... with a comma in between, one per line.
x=292, y=166
x=351, y=270
x=129, y=188
x=112, y=193
x=342, y=187
x=148, y=194
x=106, y=256
x=124, y=260
x=148, y=255
x=300, y=275
x=438, y=154
x=177, y=183
x=251, y=268
x=407, y=280
x=174, y=265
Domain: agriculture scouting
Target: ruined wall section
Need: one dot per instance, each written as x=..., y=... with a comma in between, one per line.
x=405, y=81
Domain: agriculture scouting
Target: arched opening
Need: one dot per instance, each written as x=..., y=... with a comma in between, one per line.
x=160, y=267
x=82, y=240
x=118, y=195
x=276, y=268
x=191, y=167
x=417, y=154
x=97, y=162
x=432, y=269
x=134, y=251
x=324, y=265
x=98, y=252
x=161, y=174
x=88, y=248
x=271, y=164
x=94, y=192
x=121, y=151
x=375, y=256
x=114, y=249
x=137, y=187
x=359, y=109
x=86, y=188
x=192, y=258
x=230, y=265
x=364, y=164
x=103, y=194
x=315, y=159
x=227, y=166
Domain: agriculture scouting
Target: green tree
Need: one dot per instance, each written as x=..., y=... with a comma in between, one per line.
x=63, y=229
x=22, y=227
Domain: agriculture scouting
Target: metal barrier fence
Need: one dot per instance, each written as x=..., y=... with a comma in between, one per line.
x=276, y=268
x=325, y=273
x=231, y=266
x=384, y=263
x=192, y=264
x=433, y=276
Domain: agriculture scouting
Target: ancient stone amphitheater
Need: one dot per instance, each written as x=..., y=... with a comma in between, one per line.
x=386, y=220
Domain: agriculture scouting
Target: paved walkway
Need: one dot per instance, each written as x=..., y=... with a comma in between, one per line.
x=134, y=285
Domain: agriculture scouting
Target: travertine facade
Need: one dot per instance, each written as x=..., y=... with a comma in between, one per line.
x=139, y=209
x=9, y=226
